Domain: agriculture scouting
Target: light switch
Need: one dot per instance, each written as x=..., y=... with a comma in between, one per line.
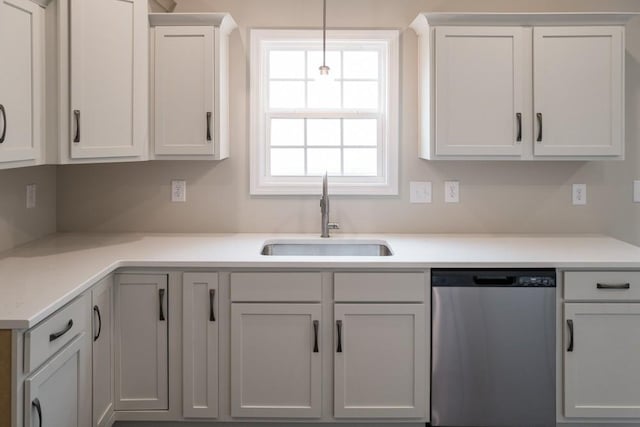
x=178, y=191
x=636, y=191
x=419, y=192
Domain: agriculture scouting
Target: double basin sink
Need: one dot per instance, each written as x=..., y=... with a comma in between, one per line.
x=329, y=248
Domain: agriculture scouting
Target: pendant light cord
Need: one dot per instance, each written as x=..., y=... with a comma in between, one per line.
x=324, y=32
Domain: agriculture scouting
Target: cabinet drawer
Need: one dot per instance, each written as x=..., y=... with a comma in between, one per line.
x=379, y=287
x=282, y=287
x=602, y=285
x=53, y=333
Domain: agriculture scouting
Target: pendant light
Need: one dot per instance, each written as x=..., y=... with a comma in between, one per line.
x=324, y=68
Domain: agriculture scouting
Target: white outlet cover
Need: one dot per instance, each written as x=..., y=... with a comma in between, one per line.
x=419, y=192
x=636, y=191
x=178, y=190
x=579, y=194
x=452, y=192
x=31, y=196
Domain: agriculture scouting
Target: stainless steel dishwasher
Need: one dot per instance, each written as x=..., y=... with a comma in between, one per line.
x=493, y=348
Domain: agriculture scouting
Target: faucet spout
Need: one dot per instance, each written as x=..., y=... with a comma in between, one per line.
x=324, y=207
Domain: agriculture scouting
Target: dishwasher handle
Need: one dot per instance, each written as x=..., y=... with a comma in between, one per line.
x=494, y=280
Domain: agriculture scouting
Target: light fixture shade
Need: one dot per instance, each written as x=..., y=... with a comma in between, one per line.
x=324, y=70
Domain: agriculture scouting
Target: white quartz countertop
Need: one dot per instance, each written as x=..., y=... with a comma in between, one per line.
x=38, y=278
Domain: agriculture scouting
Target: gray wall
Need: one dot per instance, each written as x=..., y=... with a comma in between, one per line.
x=17, y=223
x=495, y=196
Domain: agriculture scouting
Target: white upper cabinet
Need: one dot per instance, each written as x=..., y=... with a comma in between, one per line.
x=108, y=79
x=190, y=79
x=578, y=82
x=480, y=95
x=521, y=86
x=21, y=82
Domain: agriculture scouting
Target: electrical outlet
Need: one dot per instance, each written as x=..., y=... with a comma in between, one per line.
x=579, y=194
x=452, y=192
x=419, y=192
x=31, y=196
x=178, y=191
x=636, y=191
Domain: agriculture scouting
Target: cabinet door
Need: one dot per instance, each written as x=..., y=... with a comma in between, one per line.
x=380, y=361
x=108, y=78
x=480, y=84
x=102, y=297
x=601, y=353
x=184, y=78
x=578, y=91
x=141, y=359
x=21, y=80
x=200, y=345
x=58, y=394
x=275, y=360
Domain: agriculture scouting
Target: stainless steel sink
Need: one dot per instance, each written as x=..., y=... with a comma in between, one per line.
x=346, y=248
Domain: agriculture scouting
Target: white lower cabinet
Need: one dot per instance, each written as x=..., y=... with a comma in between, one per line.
x=275, y=360
x=380, y=361
x=200, y=345
x=141, y=345
x=601, y=353
x=102, y=300
x=58, y=394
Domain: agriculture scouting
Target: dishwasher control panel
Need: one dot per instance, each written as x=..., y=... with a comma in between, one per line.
x=537, y=281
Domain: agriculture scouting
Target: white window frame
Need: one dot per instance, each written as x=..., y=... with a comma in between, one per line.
x=386, y=183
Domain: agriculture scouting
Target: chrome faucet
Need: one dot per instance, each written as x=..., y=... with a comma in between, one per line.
x=324, y=209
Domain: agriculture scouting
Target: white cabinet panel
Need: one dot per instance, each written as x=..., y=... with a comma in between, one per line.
x=380, y=361
x=58, y=394
x=480, y=84
x=109, y=79
x=578, y=91
x=200, y=345
x=102, y=296
x=21, y=80
x=190, y=85
x=184, y=66
x=275, y=360
x=141, y=352
x=601, y=353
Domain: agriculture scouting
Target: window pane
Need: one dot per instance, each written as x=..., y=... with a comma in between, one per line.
x=286, y=94
x=323, y=132
x=361, y=95
x=360, y=162
x=287, y=161
x=321, y=160
x=314, y=61
x=360, y=132
x=286, y=64
x=360, y=65
x=287, y=132
x=324, y=93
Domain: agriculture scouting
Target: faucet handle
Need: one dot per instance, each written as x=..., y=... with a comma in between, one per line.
x=333, y=226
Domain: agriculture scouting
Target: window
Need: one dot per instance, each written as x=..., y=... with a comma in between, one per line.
x=303, y=124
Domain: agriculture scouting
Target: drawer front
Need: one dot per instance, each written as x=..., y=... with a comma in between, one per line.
x=45, y=339
x=280, y=287
x=379, y=287
x=602, y=285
